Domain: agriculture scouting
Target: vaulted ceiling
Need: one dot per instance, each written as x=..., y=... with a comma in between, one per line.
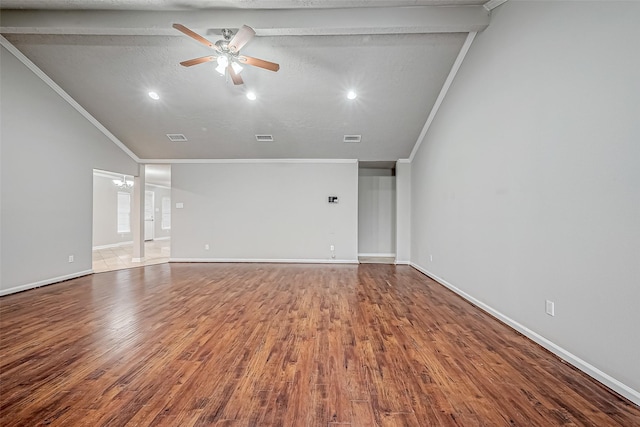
x=108, y=55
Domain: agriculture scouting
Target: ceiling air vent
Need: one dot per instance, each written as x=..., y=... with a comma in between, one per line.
x=264, y=138
x=176, y=137
x=352, y=138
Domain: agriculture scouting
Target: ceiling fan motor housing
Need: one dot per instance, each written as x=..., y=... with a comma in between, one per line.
x=227, y=33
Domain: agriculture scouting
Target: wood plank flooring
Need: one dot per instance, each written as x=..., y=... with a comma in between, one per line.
x=278, y=345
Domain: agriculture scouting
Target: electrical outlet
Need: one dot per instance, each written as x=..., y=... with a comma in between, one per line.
x=550, y=308
x=206, y=247
x=70, y=258
x=333, y=248
x=431, y=258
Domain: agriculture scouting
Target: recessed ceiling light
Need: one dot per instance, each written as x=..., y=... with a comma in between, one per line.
x=154, y=95
x=352, y=95
x=252, y=96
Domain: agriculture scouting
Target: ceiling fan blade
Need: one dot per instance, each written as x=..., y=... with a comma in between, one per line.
x=271, y=66
x=194, y=35
x=242, y=37
x=197, y=61
x=237, y=80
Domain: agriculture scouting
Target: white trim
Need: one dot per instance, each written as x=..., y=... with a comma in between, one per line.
x=379, y=255
x=492, y=4
x=44, y=282
x=164, y=161
x=137, y=259
x=38, y=72
x=163, y=238
x=111, y=175
x=158, y=186
x=112, y=245
x=403, y=262
x=403, y=161
x=587, y=368
x=268, y=261
x=443, y=92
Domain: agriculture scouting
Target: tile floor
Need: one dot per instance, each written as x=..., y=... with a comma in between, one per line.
x=118, y=258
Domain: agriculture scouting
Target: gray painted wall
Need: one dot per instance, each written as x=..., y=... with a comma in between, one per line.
x=527, y=185
x=266, y=211
x=48, y=154
x=376, y=212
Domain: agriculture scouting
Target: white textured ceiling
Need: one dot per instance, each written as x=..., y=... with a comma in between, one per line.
x=108, y=69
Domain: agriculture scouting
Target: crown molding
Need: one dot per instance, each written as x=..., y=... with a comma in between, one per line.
x=443, y=92
x=64, y=95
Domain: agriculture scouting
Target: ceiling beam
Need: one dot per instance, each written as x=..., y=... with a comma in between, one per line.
x=379, y=20
x=492, y=4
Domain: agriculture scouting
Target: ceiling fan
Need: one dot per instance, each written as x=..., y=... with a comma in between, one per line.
x=228, y=52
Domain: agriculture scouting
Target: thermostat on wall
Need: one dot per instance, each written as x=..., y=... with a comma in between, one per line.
x=333, y=199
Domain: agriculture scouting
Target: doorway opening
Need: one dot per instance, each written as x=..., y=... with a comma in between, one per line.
x=377, y=212
x=112, y=203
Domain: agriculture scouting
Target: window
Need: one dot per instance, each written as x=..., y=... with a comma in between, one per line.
x=166, y=213
x=124, y=212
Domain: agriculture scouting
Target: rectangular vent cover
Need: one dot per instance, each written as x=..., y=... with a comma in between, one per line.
x=264, y=138
x=176, y=137
x=352, y=138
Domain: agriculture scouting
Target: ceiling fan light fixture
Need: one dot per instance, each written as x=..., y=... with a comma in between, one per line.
x=236, y=67
x=223, y=61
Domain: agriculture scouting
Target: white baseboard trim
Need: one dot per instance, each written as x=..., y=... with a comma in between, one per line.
x=44, y=282
x=267, y=261
x=587, y=368
x=379, y=255
x=403, y=262
x=137, y=259
x=163, y=238
x=112, y=245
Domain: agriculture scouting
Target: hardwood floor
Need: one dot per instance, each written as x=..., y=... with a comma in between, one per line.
x=278, y=345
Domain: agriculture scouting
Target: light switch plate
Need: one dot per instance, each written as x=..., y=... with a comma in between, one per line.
x=550, y=308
